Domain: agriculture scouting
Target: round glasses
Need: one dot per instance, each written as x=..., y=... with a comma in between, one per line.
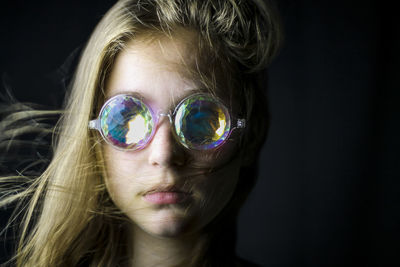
x=200, y=122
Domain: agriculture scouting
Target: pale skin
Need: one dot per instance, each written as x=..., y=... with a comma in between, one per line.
x=163, y=235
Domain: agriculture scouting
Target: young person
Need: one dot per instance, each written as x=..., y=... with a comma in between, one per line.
x=157, y=146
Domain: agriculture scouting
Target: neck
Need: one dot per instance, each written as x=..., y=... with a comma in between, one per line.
x=149, y=250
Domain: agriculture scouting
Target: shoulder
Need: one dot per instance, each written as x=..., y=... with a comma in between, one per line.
x=245, y=263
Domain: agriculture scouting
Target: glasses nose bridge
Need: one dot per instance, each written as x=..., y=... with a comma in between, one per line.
x=162, y=114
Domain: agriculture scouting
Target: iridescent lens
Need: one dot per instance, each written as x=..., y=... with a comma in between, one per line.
x=126, y=122
x=201, y=122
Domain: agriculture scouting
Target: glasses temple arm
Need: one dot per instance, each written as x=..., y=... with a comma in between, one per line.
x=241, y=123
x=94, y=124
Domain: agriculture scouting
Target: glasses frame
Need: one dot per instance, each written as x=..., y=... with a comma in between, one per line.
x=157, y=117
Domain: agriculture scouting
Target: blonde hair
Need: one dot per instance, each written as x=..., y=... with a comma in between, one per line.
x=68, y=216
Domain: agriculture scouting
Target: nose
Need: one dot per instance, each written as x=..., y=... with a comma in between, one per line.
x=164, y=149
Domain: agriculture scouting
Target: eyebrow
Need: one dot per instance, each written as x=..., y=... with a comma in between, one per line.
x=126, y=92
x=192, y=91
x=142, y=97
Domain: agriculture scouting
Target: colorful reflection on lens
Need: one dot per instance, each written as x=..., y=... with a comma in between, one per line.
x=201, y=122
x=126, y=122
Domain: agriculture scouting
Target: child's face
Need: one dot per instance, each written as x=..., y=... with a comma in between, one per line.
x=140, y=182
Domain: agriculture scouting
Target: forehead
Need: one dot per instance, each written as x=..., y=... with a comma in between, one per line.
x=154, y=67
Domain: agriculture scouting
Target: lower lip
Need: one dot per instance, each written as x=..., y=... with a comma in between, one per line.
x=166, y=197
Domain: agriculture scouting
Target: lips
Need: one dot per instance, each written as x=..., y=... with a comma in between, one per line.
x=166, y=194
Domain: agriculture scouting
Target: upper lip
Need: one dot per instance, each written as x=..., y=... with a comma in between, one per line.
x=165, y=188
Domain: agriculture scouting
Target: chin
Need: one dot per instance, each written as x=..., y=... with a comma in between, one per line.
x=167, y=223
x=166, y=231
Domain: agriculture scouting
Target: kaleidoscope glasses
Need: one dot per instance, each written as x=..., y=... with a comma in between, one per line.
x=200, y=122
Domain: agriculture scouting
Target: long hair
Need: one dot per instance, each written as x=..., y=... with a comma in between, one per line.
x=68, y=218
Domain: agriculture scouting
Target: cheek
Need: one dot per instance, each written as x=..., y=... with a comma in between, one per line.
x=217, y=190
x=121, y=182
x=216, y=159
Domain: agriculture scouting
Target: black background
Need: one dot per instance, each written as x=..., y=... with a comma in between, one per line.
x=329, y=187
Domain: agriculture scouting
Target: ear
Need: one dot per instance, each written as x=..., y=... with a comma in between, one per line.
x=251, y=146
x=254, y=136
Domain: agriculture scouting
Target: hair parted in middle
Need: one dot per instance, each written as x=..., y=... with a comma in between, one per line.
x=70, y=213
